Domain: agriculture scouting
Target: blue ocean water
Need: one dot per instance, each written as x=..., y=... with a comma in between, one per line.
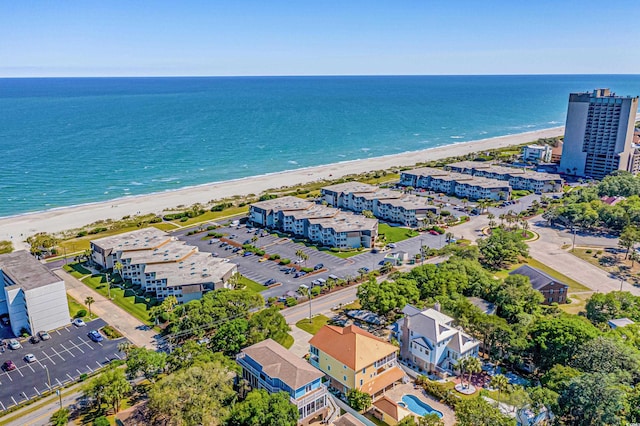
x=67, y=141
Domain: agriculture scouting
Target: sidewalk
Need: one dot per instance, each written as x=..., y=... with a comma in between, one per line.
x=138, y=333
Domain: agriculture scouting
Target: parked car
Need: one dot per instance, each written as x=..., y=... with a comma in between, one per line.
x=318, y=266
x=30, y=358
x=391, y=245
x=246, y=242
x=214, y=254
x=262, y=259
x=270, y=281
x=5, y=320
x=44, y=335
x=8, y=365
x=237, y=249
x=299, y=274
x=95, y=336
x=247, y=253
x=78, y=322
x=34, y=339
x=14, y=344
x=433, y=232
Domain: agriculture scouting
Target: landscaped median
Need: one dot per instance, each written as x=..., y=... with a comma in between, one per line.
x=317, y=322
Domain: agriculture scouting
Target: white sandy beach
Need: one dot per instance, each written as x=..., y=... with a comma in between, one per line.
x=18, y=228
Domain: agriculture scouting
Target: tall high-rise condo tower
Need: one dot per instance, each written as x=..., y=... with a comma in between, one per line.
x=599, y=133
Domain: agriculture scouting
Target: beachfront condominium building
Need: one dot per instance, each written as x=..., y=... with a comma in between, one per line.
x=33, y=297
x=321, y=224
x=353, y=358
x=598, y=134
x=162, y=265
x=458, y=184
x=385, y=204
x=429, y=340
x=537, y=153
x=269, y=366
x=517, y=178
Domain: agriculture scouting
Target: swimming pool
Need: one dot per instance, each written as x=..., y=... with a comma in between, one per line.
x=417, y=406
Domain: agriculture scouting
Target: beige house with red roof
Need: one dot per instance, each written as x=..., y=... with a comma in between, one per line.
x=353, y=358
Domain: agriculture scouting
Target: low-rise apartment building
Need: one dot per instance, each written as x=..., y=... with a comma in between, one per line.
x=516, y=177
x=454, y=183
x=537, y=153
x=429, y=340
x=321, y=224
x=353, y=358
x=34, y=298
x=162, y=265
x=269, y=366
x=386, y=204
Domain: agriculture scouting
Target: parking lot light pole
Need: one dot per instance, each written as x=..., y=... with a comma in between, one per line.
x=108, y=285
x=59, y=396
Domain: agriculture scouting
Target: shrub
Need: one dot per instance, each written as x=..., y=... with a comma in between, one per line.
x=444, y=213
x=274, y=256
x=97, y=230
x=211, y=228
x=83, y=377
x=164, y=317
x=589, y=251
x=435, y=389
x=156, y=219
x=306, y=269
x=291, y=301
x=266, y=197
x=285, y=261
x=111, y=332
x=101, y=421
x=81, y=313
x=82, y=234
x=184, y=219
x=260, y=252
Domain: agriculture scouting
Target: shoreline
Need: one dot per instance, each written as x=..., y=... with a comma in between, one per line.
x=17, y=228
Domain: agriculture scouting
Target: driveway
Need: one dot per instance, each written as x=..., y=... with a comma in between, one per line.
x=133, y=329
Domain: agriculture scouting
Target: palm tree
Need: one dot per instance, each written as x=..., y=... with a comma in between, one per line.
x=473, y=365
x=500, y=383
x=89, y=301
x=118, y=267
x=461, y=365
x=125, y=347
x=254, y=239
x=299, y=254
x=448, y=236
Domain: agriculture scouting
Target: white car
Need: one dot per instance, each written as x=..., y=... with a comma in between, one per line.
x=78, y=322
x=30, y=358
x=14, y=344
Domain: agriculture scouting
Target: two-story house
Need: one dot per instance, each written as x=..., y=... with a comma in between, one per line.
x=267, y=365
x=429, y=340
x=353, y=358
x=554, y=291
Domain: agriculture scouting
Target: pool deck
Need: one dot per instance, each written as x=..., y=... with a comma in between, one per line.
x=396, y=394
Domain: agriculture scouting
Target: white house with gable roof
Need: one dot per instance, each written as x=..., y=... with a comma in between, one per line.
x=429, y=340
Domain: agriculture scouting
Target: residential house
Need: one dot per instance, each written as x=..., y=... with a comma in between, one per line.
x=389, y=411
x=429, y=340
x=353, y=358
x=554, y=291
x=269, y=366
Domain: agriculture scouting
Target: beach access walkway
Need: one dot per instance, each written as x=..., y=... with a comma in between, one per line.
x=138, y=333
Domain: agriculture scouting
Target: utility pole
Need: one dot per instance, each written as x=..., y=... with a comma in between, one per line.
x=108, y=285
x=59, y=396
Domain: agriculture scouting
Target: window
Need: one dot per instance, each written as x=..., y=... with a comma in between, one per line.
x=361, y=382
x=364, y=371
x=550, y=299
x=329, y=367
x=344, y=378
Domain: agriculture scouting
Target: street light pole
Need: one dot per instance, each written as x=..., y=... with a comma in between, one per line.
x=108, y=285
x=59, y=396
x=48, y=377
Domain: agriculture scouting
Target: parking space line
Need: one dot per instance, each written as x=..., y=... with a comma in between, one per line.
x=75, y=346
x=37, y=391
x=48, y=357
x=58, y=331
x=65, y=350
x=116, y=354
x=3, y=407
x=18, y=370
x=89, y=368
x=86, y=342
x=9, y=376
x=70, y=378
x=100, y=365
x=58, y=380
x=14, y=400
x=78, y=371
x=32, y=370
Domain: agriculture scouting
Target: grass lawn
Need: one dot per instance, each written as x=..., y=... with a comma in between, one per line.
x=389, y=177
x=285, y=340
x=317, y=323
x=610, y=262
x=76, y=270
x=232, y=211
x=344, y=254
x=75, y=306
x=252, y=285
x=578, y=303
x=137, y=306
x=393, y=234
x=75, y=245
x=166, y=226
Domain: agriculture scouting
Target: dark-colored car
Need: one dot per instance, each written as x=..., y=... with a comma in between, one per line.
x=95, y=336
x=433, y=232
x=270, y=281
x=300, y=274
x=8, y=366
x=247, y=253
x=318, y=266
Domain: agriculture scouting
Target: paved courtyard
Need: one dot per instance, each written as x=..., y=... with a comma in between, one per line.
x=400, y=390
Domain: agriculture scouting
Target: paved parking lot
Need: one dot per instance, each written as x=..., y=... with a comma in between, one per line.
x=68, y=354
x=262, y=271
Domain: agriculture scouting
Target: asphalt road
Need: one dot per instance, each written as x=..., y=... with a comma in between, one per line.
x=68, y=354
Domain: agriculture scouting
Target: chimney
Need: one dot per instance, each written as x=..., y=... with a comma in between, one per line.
x=437, y=306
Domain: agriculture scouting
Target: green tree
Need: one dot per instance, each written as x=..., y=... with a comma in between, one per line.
x=606, y=355
x=500, y=383
x=198, y=395
x=592, y=399
x=101, y=421
x=358, y=400
x=118, y=267
x=368, y=214
x=267, y=324
x=543, y=398
x=261, y=408
x=517, y=296
x=558, y=377
x=629, y=237
x=146, y=361
x=89, y=301
x=469, y=365
x=554, y=340
x=388, y=295
x=191, y=353
x=478, y=412
x=60, y=417
x=110, y=388
x=502, y=248
x=231, y=336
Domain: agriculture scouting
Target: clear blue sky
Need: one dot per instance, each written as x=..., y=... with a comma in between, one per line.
x=301, y=37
